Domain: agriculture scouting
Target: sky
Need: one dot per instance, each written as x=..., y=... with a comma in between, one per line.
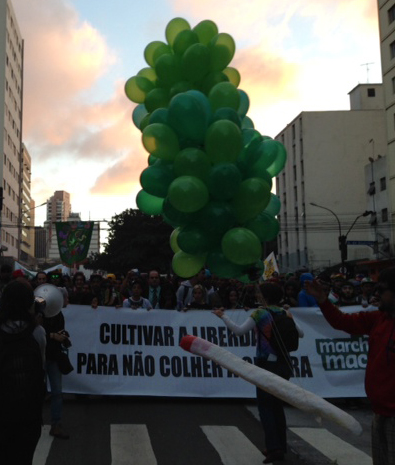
x=293, y=56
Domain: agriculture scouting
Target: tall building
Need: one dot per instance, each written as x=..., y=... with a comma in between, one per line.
x=387, y=47
x=11, y=98
x=327, y=155
x=58, y=207
x=27, y=207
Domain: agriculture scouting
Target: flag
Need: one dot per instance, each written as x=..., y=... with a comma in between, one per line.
x=270, y=266
x=74, y=238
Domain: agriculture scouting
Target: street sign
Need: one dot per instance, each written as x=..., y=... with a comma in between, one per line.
x=371, y=243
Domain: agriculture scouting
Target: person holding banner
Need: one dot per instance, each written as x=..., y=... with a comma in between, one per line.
x=271, y=409
x=379, y=325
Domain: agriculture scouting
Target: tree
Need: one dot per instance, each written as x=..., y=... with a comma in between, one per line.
x=135, y=240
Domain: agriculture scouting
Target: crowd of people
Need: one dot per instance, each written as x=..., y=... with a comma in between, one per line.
x=203, y=291
x=45, y=338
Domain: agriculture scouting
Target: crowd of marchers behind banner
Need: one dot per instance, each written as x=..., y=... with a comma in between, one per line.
x=203, y=291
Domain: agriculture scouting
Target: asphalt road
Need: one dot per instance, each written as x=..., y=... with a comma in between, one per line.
x=174, y=431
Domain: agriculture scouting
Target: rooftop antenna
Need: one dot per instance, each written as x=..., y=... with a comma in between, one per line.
x=367, y=70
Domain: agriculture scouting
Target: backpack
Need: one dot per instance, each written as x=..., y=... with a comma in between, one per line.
x=284, y=335
x=22, y=377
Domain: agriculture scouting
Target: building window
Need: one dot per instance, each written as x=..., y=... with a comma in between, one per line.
x=383, y=184
x=391, y=15
x=392, y=49
x=371, y=92
x=372, y=188
x=384, y=215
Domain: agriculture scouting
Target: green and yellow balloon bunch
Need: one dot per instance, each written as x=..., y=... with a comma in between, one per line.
x=209, y=171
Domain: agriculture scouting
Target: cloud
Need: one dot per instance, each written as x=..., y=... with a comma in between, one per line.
x=122, y=177
x=64, y=58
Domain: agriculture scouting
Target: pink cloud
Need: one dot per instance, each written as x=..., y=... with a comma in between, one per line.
x=63, y=58
x=122, y=177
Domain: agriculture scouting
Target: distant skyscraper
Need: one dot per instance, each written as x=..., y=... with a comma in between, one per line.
x=58, y=207
x=11, y=97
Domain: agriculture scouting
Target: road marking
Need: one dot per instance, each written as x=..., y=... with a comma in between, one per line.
x=131, y=445
x=43, y=446
x=333, y=447
x=232, y=445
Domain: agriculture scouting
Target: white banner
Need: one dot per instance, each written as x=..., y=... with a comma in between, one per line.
x=135, y=352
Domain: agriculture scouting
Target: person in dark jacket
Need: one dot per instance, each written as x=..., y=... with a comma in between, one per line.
x=22, y=387
x=379, y=325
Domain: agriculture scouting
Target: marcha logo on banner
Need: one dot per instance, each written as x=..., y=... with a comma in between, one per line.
x=343, y=354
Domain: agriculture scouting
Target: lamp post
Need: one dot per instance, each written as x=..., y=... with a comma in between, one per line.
x=343, y=237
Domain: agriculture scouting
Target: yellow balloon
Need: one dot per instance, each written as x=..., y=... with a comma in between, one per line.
x=174, y=27
x=233, y=75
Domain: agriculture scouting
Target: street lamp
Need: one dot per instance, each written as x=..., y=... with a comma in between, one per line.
x=343, y=237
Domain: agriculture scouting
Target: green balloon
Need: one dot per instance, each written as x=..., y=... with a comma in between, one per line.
x=159, y=116
x=224, y=181
x=247, y=123
x=251, y=198
x=192, y=162
x=138, y=114
x=174, y=27
x=152, y=160
x=156, y=179
x=157, y=98
x=188, y=194
x=173, y=240
x=241, y=246
x=274, y=205
x=227, y=113
x=154, y=50
x=184, y=40
x=168, y=69
x=137, y=88
x=244, y=103
x=206, y=30
x=223, y=142
x=149, y=204
x=186, y=265
x=195, y=62
x=219, y=265
x=145, y=121
x=148, y=73
x=161, y=141
x=224, y=94
x=216, y=217
x=264, y=226
x=233, y=75
x=222, y=48
x=179, y=87
x=175, y=217
x=280, y=158
x=193, y=240
x=260, y=159
x=188, y=117
x=211, y=79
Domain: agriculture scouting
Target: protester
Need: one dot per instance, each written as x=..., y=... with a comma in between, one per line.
x=347, y=295
x=184, y=292
x=379, y=325
x=57, y=336
x=271, y=410
x=80, y=293
x=136, y=300
x=22, y=387
x=304, y=299
x=199, y=299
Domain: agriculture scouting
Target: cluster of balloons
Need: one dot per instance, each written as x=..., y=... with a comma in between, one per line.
x=209, y=171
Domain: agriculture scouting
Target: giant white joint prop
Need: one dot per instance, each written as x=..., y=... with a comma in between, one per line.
x=271, y=383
